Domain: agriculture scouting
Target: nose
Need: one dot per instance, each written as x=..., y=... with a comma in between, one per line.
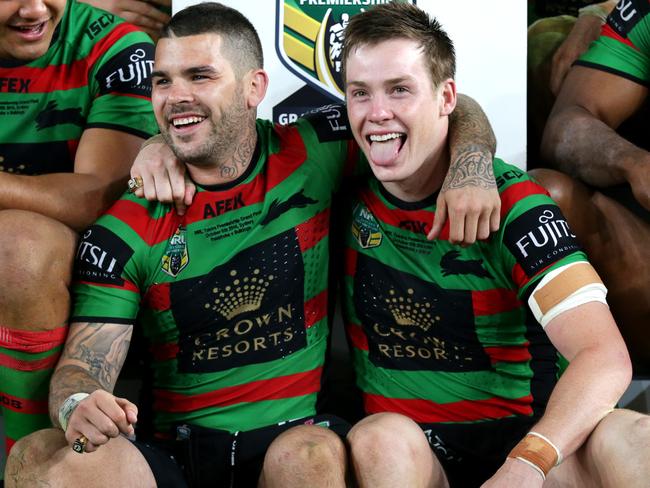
x=179, y=92
x=32, y=9
x=380, y=109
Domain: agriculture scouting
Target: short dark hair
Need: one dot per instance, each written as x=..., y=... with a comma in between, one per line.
x=240, y=39
x=403, y=21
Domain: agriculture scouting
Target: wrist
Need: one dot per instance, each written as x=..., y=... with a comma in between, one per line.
x=595, y=10
x=67, y=407
x=538, y=452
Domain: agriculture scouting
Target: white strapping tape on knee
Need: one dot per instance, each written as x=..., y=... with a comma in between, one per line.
x=565, y=288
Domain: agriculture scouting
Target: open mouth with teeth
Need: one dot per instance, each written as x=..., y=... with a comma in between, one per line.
x=32, y=30
x=384, y=148
x=183, y=122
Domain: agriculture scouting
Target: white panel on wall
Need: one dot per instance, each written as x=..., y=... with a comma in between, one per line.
x=490, y=39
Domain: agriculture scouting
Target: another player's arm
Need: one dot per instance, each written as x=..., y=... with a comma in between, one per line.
x=90, y=363
x=144, y=14
x=77, y=199
x=580, y=137
x=469, y=193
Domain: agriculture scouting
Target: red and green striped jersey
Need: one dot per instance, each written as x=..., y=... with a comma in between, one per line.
x=232, y=296
x=442, y=333
x=623, y=47
x=95, y=74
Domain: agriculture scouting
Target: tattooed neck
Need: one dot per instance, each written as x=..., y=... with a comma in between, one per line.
x=240, y=159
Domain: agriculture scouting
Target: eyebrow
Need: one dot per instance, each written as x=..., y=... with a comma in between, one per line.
x=392, y=81
x=206, y=69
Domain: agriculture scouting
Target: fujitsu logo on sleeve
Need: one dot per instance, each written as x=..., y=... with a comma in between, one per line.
x=627, y=14
x=101, y=257
x=539, y=237
x=129, y=71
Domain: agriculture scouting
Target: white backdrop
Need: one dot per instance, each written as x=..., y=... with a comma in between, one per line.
x=490, y=39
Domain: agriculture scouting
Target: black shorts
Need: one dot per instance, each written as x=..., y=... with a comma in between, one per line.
x=201, y=457
x=471, y=453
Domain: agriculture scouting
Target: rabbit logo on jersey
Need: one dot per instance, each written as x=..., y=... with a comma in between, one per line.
x=309, y=39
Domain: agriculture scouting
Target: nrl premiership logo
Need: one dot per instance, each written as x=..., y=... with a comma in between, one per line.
x=309, y=39
x=176, y=256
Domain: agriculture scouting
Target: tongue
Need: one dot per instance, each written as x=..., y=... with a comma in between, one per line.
x=385, y=152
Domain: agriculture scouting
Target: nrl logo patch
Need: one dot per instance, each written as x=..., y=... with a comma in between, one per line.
x=365, y=228
x=176, y=256
x=309, y=39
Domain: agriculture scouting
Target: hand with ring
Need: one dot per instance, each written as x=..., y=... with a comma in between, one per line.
x=97, y=419
x=135, y=183
x=79, y=445
x=163, y=177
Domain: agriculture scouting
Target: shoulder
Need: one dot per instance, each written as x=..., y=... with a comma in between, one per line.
x=328, y=123
x=92, y=32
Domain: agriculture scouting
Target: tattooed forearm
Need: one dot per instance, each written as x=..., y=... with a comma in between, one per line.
x=472, y=168
x=92, y=359
x=66, y=381
x=102, y=347
x=469, y=126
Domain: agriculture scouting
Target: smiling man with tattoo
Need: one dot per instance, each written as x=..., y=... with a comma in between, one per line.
x=232, y=296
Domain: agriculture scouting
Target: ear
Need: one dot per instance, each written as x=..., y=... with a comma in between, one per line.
x=255, y=84
x=448, y=96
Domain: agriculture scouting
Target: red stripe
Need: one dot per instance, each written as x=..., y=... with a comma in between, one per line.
x=294, y=385
x=158, y=297
x=357, y=336
x=519, y=275
x=72, y=75
x=26, y=406
x=488, y=302
x=517, y=192
x=27, y=365
x=395, y=216
x=607, y=31
x=316, y=309
x=252, y=193
x=291, y=155
x=9, y=443
x=164, y=352
x=426, y=411
x=137, y=217
x=32, y=341
x=350, y=261
x=510, y=354
x=127, y=285
x=314, y=230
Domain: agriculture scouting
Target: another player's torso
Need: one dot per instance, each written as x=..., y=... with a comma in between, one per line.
x=235, y=293
x=442, y=333
x=46, y=104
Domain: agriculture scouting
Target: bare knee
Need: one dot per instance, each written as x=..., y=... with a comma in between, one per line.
x=35, y=263
x=384, y=437
x=31, y=456
x=304, y=449
x=620, y=434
